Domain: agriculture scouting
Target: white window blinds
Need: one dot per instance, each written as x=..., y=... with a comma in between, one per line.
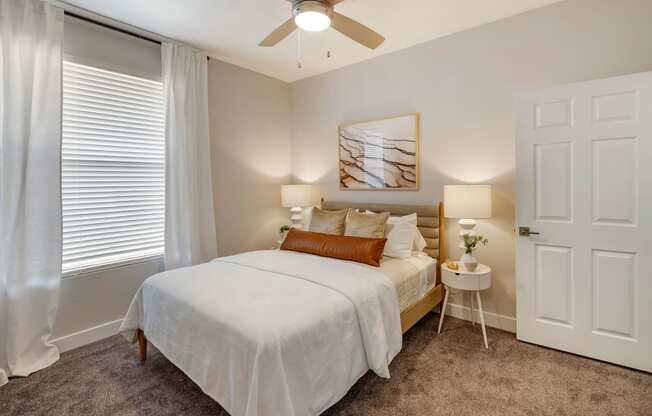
x=113, y=167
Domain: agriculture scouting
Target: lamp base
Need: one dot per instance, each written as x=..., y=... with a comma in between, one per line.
x=296, y=217
x=467, y=226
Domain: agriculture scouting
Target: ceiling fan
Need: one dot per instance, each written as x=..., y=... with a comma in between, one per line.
x=318, y=15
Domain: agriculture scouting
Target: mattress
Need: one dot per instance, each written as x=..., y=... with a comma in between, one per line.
x=413, y=277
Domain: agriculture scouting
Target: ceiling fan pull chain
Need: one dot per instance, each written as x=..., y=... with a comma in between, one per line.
x=299, y=50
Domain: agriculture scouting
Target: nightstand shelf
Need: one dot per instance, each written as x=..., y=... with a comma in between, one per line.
x=474, y=281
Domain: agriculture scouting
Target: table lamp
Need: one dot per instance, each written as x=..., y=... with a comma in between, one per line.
x=467, y=203
x=296, y=197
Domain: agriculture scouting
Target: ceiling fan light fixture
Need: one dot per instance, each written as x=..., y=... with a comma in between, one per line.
x=312, y=16
x=318, y=15
x=313, y=21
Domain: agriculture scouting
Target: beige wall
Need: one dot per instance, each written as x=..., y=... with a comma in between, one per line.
x=464, y=86
x=90, y=44
x=250, y=142
x=100, y=298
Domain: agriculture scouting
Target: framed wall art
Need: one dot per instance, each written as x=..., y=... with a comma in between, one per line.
x=380, y=154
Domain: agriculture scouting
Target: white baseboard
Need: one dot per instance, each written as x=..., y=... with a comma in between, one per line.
x=87, y=336
x=494, y=320
x=108, y=329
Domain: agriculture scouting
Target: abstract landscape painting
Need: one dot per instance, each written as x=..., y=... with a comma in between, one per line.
x=380, y=154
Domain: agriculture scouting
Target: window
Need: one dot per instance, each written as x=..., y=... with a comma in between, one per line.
x=113, y=167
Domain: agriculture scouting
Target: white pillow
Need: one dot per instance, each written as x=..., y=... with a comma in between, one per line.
x=306, y=218
x=419, y=241
x=400, y=233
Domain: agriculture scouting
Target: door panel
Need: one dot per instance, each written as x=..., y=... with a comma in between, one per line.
x=554, y=285
x=614, y=294
x=615, y=181
x=554, y=114
x=615, y=107
x=584, y=284
x=554, y=176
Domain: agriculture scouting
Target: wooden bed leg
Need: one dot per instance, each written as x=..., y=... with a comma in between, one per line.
x=142, y=345
x=442, y=304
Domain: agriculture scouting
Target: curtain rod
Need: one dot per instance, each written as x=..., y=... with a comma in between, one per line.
x=117, y=29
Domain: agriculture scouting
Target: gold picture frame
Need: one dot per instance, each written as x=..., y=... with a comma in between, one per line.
x=380, y=154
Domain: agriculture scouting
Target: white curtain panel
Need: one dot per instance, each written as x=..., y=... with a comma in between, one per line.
x=31, y=34
x=189, y=217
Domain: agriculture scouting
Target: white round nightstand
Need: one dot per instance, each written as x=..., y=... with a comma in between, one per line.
x=462, y=279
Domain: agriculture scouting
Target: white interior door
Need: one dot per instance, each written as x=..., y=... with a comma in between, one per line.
x=584, y=183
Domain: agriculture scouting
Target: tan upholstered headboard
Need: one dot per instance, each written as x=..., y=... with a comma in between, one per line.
x=429, y=220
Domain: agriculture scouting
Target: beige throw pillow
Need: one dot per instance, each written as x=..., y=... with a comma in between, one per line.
x=366, y=225
x=328, y=222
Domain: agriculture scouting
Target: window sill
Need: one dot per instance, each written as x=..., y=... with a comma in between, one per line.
x=110, y=266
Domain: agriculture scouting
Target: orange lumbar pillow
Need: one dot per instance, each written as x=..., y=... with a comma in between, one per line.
x=359, y=249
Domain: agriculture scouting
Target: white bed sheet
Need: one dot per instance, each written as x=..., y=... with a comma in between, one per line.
x=271, y=333
x=412, y=277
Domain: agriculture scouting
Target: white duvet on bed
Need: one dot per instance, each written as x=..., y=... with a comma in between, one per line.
x=272, y=333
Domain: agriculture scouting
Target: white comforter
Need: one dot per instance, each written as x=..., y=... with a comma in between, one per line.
x=272, y=333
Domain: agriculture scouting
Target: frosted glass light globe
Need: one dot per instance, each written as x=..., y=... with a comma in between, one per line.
x=312, y=21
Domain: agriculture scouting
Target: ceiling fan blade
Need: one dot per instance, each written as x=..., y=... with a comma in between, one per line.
x=280, y=33
x=356, y=31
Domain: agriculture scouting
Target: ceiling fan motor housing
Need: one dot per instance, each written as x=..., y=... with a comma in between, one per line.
x=319, y=6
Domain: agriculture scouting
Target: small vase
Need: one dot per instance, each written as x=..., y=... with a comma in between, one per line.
x=469, y=262
x=283, y=235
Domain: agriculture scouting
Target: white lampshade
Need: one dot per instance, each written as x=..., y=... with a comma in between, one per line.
x=297, y=196
x=467, y=201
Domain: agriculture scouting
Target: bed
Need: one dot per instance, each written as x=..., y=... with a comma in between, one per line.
x=277, y=332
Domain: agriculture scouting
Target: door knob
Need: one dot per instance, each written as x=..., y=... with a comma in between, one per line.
x=525, y=232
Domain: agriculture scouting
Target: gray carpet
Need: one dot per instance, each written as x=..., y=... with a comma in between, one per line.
x=449, y=374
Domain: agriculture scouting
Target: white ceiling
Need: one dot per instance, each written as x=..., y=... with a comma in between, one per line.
x=230, y=30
